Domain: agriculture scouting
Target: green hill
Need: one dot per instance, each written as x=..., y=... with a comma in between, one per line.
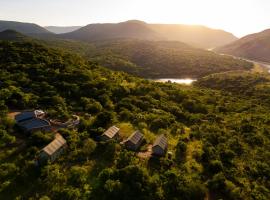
x=219, y=142
x=250, y=85
x=149, y=59
x=198, y=36
x=12, y=35
x=255, y=47
x=162, y=59
x=25, y=28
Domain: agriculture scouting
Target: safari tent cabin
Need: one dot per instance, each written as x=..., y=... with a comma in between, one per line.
x=53, y=150
x=35, y=124
x=134, y=141
x=28, y=115
x=160, y=146
x=111, y=133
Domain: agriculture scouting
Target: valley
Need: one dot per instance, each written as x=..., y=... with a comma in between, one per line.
x=131, y=132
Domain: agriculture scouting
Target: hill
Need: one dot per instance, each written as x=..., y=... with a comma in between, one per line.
x=62, y=29
x=25, y=28
x=153, y=59
x=150, y=59
x=194, y=35
x=12, y=36
x=219, y=142
x=255, y=47
x=129, y=29
x=199, y=36
x=250, y=85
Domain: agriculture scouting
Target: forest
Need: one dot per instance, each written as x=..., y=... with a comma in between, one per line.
x=254, y=86
x=219, y=138
x=147, y=59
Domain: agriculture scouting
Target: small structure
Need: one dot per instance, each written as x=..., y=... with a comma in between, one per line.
x=35, y=124
x=71, y=123
x=28, y=115
x=52, y=150
x=160, y=146
x=111, y=133
x=31, y=121
x=134, y=141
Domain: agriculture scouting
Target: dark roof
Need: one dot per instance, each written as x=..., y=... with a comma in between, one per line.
x=34, y=123
x=161, y=141
x=28, y=115
x=56, y=144
x=135, y=137
x=25, y=116
x=111, y=132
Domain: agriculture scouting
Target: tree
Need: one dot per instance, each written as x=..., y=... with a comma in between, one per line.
x=89, y=146
x=91, y=105
x=176, y=185
x=104, y=119
x=131, y=182
x=125, y=158
x=78, y=176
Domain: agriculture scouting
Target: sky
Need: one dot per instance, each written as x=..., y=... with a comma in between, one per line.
x=240, y=17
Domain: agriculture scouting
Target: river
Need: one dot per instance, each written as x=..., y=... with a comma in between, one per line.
x=263, y=64
x=186, y=81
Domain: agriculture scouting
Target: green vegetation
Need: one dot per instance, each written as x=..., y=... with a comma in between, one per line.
x=220, y=142
x=143, y=58
x=254, y=86
x=150, y=59
x=163, y=59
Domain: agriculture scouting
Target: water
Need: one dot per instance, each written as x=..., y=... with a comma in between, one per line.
x=186, y=81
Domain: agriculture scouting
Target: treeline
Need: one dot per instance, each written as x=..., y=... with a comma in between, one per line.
x=220, y=143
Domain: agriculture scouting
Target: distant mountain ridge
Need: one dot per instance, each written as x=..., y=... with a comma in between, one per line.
x=24, y=28
x=62, y=29
x=255, y=47
x=198, y=36
x=124, y=30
